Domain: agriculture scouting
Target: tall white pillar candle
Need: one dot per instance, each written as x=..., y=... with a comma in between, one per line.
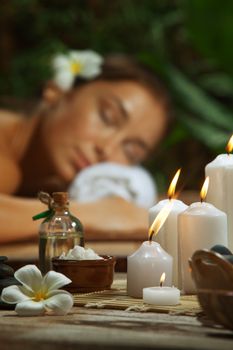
x=200, y=226
x=220, y=193
x=168, y=234
x=229, y=206
x=145, y=267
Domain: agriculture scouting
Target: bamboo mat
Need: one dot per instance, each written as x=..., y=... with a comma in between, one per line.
x=117, y=298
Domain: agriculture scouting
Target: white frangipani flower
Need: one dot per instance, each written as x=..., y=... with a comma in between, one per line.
x=38, y=294
x=86, y=64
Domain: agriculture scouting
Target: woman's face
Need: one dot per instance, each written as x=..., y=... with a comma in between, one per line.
x=103, y=121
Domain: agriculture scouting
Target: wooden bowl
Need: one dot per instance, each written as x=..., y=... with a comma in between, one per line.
x=213, y=276
x=87, y=275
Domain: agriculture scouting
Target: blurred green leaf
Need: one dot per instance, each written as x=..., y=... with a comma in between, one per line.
x=209, y=23
x=206, y=133
x=178, y=134
x=196, y=100
x=217, y=83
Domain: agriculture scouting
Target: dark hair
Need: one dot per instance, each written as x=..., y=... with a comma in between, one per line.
x=120, y=67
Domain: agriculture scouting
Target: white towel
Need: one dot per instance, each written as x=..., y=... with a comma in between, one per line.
x=133, y=183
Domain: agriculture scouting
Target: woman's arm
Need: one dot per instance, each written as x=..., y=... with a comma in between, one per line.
x=110, y=218
x=16, y=218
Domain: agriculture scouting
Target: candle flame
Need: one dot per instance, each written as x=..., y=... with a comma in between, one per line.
x=162, y=279
x=172, y=187
x=204, y=188
x=229, y=146
x=160, y=219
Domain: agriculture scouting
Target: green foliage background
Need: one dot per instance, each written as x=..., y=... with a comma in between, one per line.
x=187, y=42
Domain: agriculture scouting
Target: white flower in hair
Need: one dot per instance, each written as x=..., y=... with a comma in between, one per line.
x=85, y=64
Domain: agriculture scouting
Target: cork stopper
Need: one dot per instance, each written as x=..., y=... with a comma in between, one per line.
x=60, y=198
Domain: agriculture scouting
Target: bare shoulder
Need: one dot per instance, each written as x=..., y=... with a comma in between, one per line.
x=10, y=175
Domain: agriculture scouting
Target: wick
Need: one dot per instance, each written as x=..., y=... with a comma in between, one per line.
x=228, y=151
x=202, y=200
x=151, y=235
x=161, y=284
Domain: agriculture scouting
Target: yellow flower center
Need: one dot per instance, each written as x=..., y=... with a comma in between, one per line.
x=40, y=296
x=75, y=67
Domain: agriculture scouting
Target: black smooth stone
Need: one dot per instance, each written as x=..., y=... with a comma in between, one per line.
x=229, y=258
x=5, y=306
x=3, y=258
x=6, y=279
x=6, y=271
x=221, y=249
x=224, y=251
x=6, y=282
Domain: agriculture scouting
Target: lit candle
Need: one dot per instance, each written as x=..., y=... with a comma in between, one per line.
x=220, y=193
x=161, y=295
x=167, y=236
x=146, y=265
x=200, y=226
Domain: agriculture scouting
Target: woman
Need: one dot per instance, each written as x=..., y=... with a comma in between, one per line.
x=120, y=115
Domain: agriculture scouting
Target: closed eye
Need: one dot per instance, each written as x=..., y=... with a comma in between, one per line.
x=135, y=150
x=108, y=117
x=112, y=112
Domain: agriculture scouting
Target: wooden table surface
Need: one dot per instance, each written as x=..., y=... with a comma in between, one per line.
x=85, y=328
x=109, y=329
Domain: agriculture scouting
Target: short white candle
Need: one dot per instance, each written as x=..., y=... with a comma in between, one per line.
x=161, y=295
x=145, y=267
x=200, y=226
x=220, y=193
